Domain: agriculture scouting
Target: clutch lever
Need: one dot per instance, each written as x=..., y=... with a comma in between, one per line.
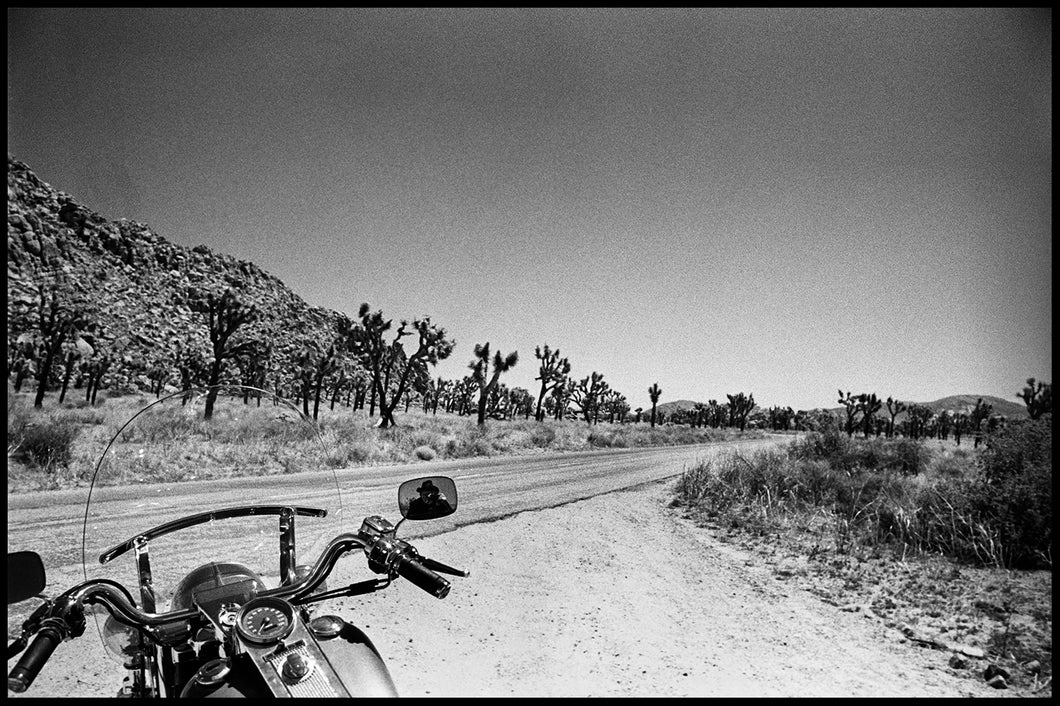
x=354, y=589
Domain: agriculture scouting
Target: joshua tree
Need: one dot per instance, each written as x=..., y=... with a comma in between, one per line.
x=653, y=393
x=191, y=364
x=223, y=316
x=480, y=373
x=61, y=317
x=588, y=395
x=617, y=407
x=851, y=403
x=960, y=423
x=95, y=369
x=75, y=351
x=740, y=406
x=552, y=372
x=314, y=367
x=463, y=393
x=522, y=402
x=561, y=397
x=20, y=359
x=945, y=424
x=868, y=405
x=158, y=374
x=1038, y=397
x=717, y=414
x=894, y=408
x=780, y=418
x=389, y=365
x=255, y=366
x=978, y=415
x=918, y=420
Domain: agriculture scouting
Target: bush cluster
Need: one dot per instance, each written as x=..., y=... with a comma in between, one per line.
x=995, y=510
x=901, y=454
x=1013, y=493
x=49, y=443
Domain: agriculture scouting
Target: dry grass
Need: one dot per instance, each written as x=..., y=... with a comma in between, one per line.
x=914, y=550
x=269, y=439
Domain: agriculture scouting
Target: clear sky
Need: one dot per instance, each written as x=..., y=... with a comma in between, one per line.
x=777, y=202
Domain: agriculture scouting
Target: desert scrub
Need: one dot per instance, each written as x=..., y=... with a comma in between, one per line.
x=48, y=442
x=17, y=421
x=893, y=491
x=907, y=456
x=606, y=439
x=424, y=453
x=1013, y=491
x=542, y=435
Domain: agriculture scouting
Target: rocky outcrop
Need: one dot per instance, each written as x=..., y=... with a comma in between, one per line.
x=138, y=281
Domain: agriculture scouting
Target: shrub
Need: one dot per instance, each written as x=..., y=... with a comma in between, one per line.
x=826, y=445
x=49, y=444
x=600, y=439
x=951, y=465
x=1013, y=492
x=17, y=421
x=424, y=453
x=543, y=435
x=908, y=456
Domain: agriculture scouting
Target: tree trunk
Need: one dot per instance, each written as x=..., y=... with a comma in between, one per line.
x=211, y=396
x=42, y=374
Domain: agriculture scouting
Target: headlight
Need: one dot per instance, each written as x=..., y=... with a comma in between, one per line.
x=122, y=642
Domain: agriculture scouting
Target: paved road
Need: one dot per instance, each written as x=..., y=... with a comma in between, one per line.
x=51, y=523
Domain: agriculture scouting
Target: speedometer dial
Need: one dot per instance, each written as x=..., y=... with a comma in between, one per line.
x=265, y=620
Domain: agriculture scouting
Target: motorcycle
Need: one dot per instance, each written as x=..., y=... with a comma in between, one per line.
x=240, y=623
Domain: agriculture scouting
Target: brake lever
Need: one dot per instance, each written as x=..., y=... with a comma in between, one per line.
x=443, y=568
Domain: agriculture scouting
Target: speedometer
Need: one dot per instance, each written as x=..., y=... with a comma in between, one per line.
x=265, y=620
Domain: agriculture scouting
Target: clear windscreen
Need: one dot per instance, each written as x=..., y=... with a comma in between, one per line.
x=173, y=458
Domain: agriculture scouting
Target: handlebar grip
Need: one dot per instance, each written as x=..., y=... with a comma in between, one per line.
x=38, y=652
x=423, y=577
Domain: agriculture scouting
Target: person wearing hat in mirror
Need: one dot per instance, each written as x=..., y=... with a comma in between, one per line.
x=430, y=503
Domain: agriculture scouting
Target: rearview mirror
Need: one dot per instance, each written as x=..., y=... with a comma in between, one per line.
x=427, y=498
x=25, y=576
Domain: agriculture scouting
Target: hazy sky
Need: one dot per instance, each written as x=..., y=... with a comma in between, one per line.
x=777, y=202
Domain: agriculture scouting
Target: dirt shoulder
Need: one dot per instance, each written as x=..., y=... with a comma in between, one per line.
x=620, y=595
x=972, y=620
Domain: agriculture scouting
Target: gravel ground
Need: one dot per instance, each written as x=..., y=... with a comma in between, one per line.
x=620, y=595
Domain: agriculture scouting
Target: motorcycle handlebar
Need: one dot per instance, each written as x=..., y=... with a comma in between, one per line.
x=412, y=570
x=401, y=556
x=36, y=655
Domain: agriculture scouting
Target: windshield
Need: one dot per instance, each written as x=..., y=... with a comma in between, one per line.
x=166, y=461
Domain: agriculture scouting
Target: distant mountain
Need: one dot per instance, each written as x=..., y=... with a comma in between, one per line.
x=139, y=282
x=966, y=403
x=671, y=407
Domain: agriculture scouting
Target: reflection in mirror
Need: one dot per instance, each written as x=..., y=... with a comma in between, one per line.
x=25, y=576
x=427, y=498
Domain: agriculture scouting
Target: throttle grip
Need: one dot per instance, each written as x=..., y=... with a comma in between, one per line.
x=38, y=652
x=412, y=570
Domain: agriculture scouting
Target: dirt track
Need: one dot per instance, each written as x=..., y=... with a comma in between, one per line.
x=619, y=596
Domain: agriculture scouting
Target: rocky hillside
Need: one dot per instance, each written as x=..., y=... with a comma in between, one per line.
x=138, y=282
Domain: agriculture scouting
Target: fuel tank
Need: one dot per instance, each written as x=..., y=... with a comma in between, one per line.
x=344, y=662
